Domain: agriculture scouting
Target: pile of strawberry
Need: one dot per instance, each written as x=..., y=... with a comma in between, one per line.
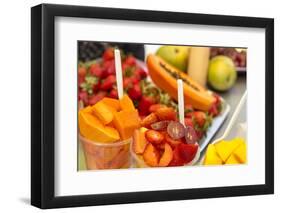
x=200, y=120
x=97, y=80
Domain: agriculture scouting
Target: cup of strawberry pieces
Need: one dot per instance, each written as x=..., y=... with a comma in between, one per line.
x=163, y=141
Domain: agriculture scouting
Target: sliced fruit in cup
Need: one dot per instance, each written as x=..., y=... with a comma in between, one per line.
x=139, y=140
x=151, y=155
x=166, y=113
x=167, y=156
x=154, y=137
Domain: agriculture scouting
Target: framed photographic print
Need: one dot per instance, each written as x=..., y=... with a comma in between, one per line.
x=139, y=106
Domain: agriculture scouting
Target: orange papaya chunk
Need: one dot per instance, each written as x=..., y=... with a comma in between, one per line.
x=88, y=109
x=103, y=112
x=126, y=121
x=126, y=103
x=93, y=129
x=114, y=103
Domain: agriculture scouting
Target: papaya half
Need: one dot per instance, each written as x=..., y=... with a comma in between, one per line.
x=165, y=77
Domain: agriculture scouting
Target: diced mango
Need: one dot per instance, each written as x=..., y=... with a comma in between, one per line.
x=114, y=103
x=241, y=153
x=232, y=160
x=103, y=112
x=126, y=121
x=139, y=140
x=88, y=109
x=167, y=156
x=212, y=157
x=225, y=148
x=126, y=103
x=93, y=129
x=151, y=155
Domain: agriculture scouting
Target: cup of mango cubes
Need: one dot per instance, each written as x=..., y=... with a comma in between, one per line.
x=105, y=132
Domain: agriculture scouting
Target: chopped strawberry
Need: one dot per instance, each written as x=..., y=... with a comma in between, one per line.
x=177, y=160
x=217, y=98
x=155, y=107
x=145, y=103
x=200, y=118
x=173, y=143
x=96, y=70
x=82, y=71
x=108, y=54
x=96, y=97
x=148, y=120
x=113, y=94
x=213, y=110
x=188, y=122
x=187, y=152
x=108, y=83
x=130, y=60
x=135, y=92
x=166, y=113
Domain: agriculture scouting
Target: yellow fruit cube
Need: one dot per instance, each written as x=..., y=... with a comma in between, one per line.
x=232, y=160
x=126, y=103
x=126, y=121
x=225, y=148
x=103, y=112
x=241, y=153
x=212, y=157
x=114, y=103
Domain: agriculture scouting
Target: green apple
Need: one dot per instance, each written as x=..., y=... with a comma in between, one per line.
x=174, y=55
x=222, y=73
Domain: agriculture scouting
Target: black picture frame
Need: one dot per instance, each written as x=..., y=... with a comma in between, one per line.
x=43, y=102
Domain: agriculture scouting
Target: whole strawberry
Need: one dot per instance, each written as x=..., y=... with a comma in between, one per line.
x=145, y=103
x=108, y=82
x=135, y=92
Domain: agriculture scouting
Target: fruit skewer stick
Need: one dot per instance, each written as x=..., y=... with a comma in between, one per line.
x=118, y=69
x=180, y=101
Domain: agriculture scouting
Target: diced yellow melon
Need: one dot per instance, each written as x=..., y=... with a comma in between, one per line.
x=103, y=112
x=92, y=128
x=114, y=103
x=212, y=157
x=88, y=109
x=126, y=121
x=241, y=152
x=126, y=103
x=225, y=148
x=232, y=160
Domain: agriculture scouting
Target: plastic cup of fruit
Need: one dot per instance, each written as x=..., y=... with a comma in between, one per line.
x=106, y=155
x=138, y=161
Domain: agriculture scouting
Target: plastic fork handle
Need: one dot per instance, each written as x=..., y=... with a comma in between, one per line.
x=235, y=115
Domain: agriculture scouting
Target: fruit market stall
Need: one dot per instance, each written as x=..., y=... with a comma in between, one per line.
x=142, y=128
